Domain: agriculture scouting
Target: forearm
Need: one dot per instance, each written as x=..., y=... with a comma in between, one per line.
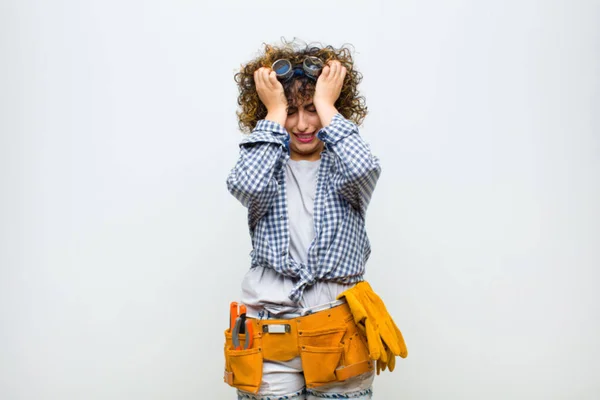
x=277, y=115
x=344, y=140
x=326, y=113
x=252, y=176
x=358, y=169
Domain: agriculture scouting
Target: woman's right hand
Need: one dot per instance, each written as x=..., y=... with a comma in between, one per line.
x=270, y=91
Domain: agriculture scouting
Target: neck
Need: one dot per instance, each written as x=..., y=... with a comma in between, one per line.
x=307, y=157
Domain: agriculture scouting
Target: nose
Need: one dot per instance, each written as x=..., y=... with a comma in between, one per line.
x=302, y=121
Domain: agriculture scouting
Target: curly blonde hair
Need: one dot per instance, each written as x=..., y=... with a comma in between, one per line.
x=350, y=104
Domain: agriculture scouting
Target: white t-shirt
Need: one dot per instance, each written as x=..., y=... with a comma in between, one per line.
x=266, y=289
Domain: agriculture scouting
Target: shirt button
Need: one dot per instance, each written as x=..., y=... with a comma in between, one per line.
x=283, y=253
x=282, y=216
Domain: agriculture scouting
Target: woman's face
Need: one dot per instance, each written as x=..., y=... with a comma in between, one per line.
x=302, y=124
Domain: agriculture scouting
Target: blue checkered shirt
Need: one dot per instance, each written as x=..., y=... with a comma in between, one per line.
x=346, y=179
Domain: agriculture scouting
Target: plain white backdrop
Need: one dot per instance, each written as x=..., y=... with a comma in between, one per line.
x=121, y=248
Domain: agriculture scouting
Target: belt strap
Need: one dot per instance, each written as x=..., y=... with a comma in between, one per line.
x=312, y=310
x=350, y=371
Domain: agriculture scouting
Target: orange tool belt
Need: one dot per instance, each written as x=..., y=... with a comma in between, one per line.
x=329, y=343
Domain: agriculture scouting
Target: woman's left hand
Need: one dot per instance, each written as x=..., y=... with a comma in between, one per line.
x=329, y=84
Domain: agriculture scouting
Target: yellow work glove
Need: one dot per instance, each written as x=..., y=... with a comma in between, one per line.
x=384, y=339
x=389, y=364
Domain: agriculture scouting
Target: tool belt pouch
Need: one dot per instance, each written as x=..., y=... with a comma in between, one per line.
x=243, y=368
x=355, y=358
x=321, y=352
x=281, y=346
x=335, y=352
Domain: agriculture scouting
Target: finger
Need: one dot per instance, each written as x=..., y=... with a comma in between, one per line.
x=383, y=356
x=338, y=69
x=374, y=341
x=403, y=350
x=391, y=362
x=265, y=76
x=268, y=81
x=396, y=336
x=343, y=73
x=273, y=80
x=390, y=340
x=339, y=77
x=334, y=68
x=326, y=71
x=258, y=77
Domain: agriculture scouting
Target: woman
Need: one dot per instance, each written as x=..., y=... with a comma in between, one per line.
x=306, y=176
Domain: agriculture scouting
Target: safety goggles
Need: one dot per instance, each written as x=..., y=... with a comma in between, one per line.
x=311, y=67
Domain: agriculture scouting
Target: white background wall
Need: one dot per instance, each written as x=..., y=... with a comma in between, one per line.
x=121, y=248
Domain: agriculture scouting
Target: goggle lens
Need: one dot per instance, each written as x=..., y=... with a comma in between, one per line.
x=311, y=67
x=283, y=69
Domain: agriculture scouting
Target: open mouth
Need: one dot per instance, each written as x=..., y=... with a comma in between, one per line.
x=305, y=137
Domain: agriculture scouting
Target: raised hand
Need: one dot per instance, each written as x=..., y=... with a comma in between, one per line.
x=328, y=89
x=271, y=93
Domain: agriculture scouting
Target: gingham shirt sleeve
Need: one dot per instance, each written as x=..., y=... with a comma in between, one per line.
x=252, y=179
x=357, y=170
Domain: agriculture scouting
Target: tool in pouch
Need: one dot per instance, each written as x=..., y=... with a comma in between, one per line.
x=238, y=324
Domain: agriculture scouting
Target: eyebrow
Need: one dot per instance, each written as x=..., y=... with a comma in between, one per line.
x=304, y=106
